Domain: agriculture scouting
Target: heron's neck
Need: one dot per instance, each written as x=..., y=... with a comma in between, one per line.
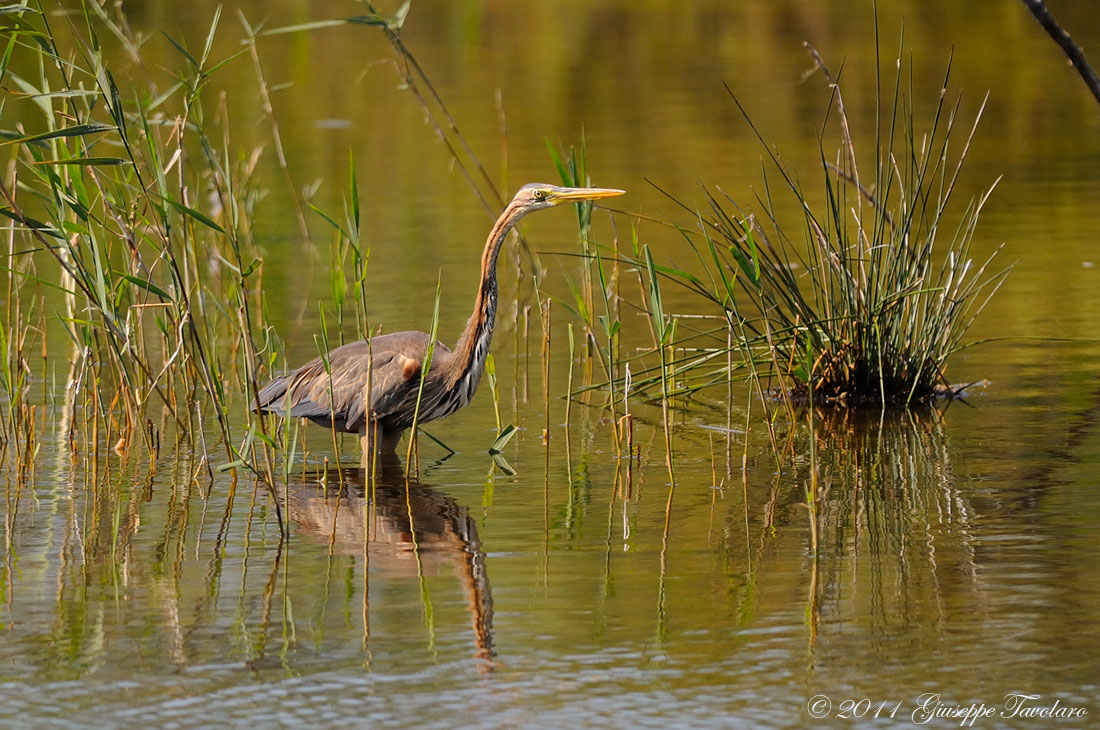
x=469, y=354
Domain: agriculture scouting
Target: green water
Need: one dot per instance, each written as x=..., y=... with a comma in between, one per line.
x=957, y=546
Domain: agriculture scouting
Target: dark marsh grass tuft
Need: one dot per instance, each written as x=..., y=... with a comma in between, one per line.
x=871, y=303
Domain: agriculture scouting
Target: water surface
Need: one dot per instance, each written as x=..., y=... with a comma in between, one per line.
x=957, y=545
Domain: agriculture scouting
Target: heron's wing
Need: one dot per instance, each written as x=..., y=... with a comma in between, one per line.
x=389, y=363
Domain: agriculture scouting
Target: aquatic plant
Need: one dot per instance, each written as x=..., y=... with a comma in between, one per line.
x=867, y=308
x=133, y=204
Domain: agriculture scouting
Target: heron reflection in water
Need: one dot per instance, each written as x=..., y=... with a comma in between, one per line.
x=332, y=390
x=412, y=530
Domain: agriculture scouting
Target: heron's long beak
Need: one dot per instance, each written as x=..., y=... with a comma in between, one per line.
x=576, y=195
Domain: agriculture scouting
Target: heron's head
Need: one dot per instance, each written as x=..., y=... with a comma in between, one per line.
x=536, y=196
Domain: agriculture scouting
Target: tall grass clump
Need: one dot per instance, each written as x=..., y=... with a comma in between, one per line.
x=871, y=303
x=129, y=200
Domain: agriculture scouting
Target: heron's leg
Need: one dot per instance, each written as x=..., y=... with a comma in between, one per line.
x=387, y=442
x=379, y=447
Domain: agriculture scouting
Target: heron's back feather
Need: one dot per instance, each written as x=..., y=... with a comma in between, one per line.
x=391, y=365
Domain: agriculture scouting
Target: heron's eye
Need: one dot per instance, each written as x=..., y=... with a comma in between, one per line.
x=540, y=195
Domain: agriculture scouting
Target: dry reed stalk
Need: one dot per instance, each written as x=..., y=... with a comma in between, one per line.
x=569, y=385
x=544, y=308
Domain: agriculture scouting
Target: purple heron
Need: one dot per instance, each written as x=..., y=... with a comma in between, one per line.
x=336, y=396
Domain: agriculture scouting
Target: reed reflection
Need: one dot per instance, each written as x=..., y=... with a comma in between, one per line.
x=897, y=546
